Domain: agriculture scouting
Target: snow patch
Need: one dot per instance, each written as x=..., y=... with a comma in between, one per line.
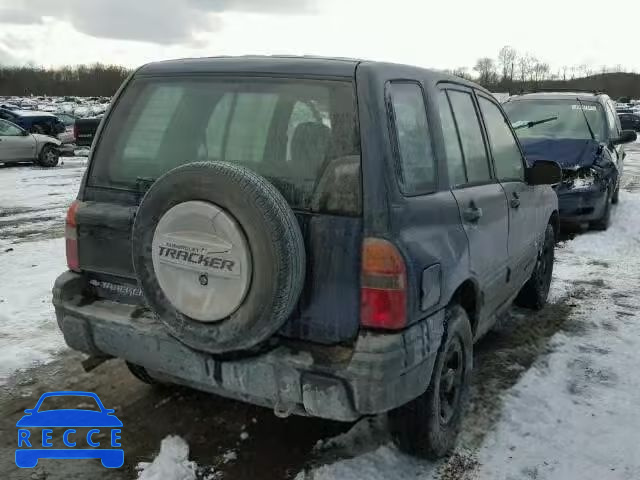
x=362, y=437
x=172, y=463
x=229, y=456
x=575, y=415
x=29, y=333
x=384, y=463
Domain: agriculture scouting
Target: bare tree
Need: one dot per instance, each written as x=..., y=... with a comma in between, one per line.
x=539, y=71
x=487, y=73
x=507, y=60
x=525, y=65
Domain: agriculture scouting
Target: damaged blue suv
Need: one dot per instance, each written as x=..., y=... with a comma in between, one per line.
x=581, y=132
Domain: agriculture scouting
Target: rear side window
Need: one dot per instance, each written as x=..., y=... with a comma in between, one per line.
x=301, y=135
x=417, y=166
x=473, y=148
x=455, y=161
x=506, y=154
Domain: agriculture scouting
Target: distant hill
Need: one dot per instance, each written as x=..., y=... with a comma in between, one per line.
x=615, y=85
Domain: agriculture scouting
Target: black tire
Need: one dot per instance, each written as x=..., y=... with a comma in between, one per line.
x=603, y=222
x=424, y=427
x=49, y=156
x=275, y=242
x=616, y=196
x=37, y=129
x=534, y=293
x=141, y=374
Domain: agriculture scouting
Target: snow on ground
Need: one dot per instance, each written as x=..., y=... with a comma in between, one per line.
x=575, y=414
x=33, y=202
x=28, y=330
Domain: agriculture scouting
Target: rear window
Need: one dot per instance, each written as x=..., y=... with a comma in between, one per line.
x=300, y=134
x=570, y=122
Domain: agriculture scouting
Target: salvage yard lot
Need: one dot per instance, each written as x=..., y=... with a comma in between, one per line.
x=545, y=384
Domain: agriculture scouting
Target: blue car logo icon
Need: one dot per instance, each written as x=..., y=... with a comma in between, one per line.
x=36, y=431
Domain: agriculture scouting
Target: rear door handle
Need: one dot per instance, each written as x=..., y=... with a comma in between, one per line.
x=472, y=214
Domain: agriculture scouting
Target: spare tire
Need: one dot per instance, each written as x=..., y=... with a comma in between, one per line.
x=219, y=256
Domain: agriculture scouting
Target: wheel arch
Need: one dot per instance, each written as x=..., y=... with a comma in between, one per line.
x=467, y=296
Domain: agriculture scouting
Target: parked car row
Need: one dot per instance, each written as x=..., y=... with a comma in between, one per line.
x=70, y=130
x=79, y=107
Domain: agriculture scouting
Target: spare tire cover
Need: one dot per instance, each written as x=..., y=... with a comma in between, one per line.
x=219, y=256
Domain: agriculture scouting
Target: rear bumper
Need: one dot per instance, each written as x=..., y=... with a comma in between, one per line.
x=379, y=373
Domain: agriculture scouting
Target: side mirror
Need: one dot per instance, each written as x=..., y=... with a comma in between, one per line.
x=626, y=136
x=544, y=172
x=24, y=133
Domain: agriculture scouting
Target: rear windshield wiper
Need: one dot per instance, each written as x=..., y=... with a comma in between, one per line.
x=533, y=123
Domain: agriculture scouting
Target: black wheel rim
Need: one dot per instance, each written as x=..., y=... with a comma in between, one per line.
x=451, y=379
x=49, y=156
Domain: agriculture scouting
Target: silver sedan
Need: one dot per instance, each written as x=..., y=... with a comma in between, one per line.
x=18, y=145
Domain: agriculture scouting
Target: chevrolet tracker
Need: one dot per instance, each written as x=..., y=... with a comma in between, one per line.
x=323, y=237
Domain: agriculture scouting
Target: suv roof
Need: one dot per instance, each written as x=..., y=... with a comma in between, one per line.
x=586, y=96
x=283, y=64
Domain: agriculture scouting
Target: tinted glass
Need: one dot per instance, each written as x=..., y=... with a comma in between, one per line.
x=455, y=162
x=296, y=133
x=473, y=148
x=506, y=154
x=9, y=130
x=417, y=172
x=570, y=122
x=613, y=121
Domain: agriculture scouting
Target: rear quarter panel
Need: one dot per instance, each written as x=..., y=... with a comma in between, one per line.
x=427, y=228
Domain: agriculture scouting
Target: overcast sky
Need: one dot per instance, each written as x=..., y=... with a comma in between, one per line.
x=435, y=34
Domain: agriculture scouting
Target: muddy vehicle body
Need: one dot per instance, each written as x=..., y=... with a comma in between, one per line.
x=323, y=237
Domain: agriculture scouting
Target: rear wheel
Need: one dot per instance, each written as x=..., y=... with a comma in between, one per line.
x=534, y=293
x=428, y=426
x=49, y=156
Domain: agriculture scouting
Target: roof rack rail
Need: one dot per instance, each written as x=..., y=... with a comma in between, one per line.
x=558, y=90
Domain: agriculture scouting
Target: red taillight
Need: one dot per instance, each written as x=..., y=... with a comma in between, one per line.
x=383, y=293
x=71, y=237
